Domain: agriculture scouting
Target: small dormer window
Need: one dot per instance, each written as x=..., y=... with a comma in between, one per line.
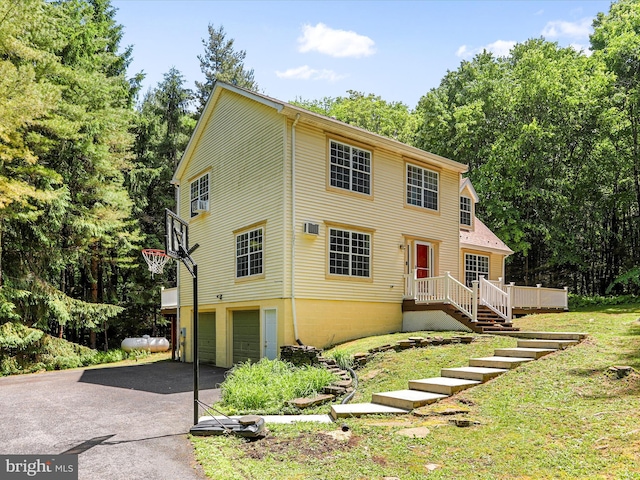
x=466, y=211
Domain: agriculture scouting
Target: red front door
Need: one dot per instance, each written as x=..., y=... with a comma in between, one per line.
x=423, y=260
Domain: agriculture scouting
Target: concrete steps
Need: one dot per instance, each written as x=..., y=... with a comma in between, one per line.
x=442, y=385
x=523, y=352
x=498, y=362
x=555, y=344
x=480, y=374
x=359, y=409
x=406, y=399
x=533, y=346
x=546, y=335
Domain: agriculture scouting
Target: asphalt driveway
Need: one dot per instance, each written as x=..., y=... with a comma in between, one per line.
x=123, y=422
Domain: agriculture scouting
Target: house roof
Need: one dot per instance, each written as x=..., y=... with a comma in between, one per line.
x=322, y=121
x=466, y=183
x=484, y=239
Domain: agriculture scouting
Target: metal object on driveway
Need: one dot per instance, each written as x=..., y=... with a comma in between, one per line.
x=243, y=427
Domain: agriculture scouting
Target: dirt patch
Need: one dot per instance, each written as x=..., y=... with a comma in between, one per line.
x=305, y=445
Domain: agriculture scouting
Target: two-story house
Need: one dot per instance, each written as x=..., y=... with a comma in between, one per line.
x=312, y=230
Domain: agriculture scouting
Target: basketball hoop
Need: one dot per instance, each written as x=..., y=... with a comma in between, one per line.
x=156, y=259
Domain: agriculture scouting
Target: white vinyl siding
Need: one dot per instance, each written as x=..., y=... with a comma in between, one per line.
x=422, y=187
x=249, y=248
x=243, y=143
x=350, y=167
x=466, y=211
x=384, y=216
x=199, y=194
x=349, y=253
x=475, y=266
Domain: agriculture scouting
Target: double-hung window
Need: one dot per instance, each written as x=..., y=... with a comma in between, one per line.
x=475, y=266
x=422, y=187
x=465, y=211
x=249, y=253
x=350, y=167
x=349, y=253
x=200, y=195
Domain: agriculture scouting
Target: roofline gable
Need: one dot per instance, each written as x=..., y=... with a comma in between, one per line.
x=307, y=116
x=466, y=183
x=218, y=87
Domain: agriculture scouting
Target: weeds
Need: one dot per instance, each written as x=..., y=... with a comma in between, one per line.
x=266, y=387
x=342, y=358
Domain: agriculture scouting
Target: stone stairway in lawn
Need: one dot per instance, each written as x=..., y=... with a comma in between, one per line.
x=531, y=346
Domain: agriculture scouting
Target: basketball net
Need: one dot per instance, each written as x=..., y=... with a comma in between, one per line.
x=156, y=259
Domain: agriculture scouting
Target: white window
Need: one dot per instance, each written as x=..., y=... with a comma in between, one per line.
x=475, y=266
x=349, y=253
x=350, y=168
x=249, y=248
x=200, y=195
x=465, y=211
x=422, y=187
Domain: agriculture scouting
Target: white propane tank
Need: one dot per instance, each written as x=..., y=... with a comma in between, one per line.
x=158, y=344
x=155, y=344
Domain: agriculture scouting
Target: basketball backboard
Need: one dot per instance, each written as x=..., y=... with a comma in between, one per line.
x=176, y=236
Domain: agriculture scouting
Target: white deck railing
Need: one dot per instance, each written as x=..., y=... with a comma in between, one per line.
x=497, y=296
x=496, y=299
x=538, y=297
x=169, y=298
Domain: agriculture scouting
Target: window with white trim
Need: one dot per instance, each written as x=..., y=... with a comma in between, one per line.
x=249, y=253
x=475, y=266
x=466, y=209
x=200, y=195
x=350, y=167
x=349, y=253
x=422, y=187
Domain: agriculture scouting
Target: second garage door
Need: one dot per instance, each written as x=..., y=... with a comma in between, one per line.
x=246, y=336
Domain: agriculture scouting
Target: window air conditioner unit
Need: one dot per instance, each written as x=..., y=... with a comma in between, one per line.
x=311, y=228
x=199, y=206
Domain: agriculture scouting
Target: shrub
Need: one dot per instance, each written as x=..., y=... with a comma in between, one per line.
x=578, y=301
x=27, y=350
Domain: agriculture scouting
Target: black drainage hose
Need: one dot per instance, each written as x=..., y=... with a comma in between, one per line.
x=355, y=386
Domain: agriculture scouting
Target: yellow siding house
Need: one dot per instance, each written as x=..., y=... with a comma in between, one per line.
x=314, y=231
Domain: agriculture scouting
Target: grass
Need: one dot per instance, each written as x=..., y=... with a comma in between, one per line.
x=266, y=387
x=563, y=416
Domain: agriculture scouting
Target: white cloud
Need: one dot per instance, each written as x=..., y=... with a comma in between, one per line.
x=307, y=73
x=336, y=43
x=561, y=28
x=499, y=48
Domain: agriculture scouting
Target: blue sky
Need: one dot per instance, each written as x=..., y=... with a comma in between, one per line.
x=307, y=49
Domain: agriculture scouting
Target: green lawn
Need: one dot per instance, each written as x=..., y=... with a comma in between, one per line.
x=563, y=416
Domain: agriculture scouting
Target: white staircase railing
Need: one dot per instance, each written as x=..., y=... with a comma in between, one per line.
x=496, y=299
x=495, y=295
x=445, y=289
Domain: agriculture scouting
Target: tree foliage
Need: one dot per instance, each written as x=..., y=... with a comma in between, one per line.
x=66, y=232
x=371, y=112
x=542, y=132
x=221, y=61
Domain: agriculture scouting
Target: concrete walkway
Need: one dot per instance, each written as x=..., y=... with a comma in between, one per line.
x=124, y=422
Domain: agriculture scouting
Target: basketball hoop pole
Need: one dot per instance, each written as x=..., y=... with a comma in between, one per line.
x=177, y=247
x=192, y=267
